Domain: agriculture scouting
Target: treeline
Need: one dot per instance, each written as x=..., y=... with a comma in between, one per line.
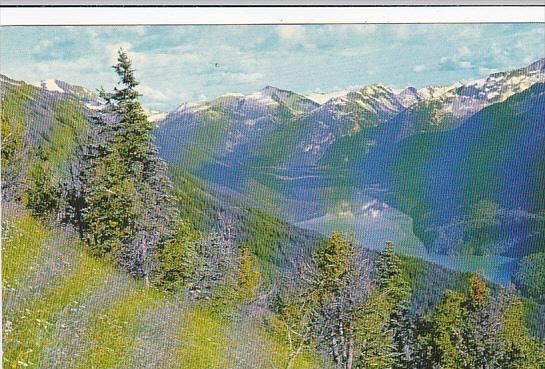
x=357, y=315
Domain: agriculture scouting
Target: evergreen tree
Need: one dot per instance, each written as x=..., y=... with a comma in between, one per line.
x=393, y=283
x=343, y=286
x=481, y=345
x=442, y=340
x=518, y=348
x=178, y=259
x=325, y=305
x=477, y=331
x=127, y=210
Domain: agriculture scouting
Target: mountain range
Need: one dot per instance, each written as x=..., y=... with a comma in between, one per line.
x=452, y=174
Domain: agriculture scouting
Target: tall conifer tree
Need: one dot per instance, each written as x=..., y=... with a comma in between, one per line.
x=393, y=283
x=128, y=211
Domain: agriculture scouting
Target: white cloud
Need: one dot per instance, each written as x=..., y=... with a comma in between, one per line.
x=241, y=78
x=291, y=33
x=65, y=67
x=42, y=45
x=295, y=36
x=155, y=60
x=454, y=63
x=464, y=51
x=151, y=93
x=419, y=68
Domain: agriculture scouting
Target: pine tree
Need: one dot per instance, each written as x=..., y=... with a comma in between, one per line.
x=325, y=305
x=444, y=346
x=127, y=210
x=178, y=259
x=477, y=331
x=518, y=348
x=392, y=282
x=481, y=345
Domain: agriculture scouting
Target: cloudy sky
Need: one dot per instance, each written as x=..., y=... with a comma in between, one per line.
x=191, y=63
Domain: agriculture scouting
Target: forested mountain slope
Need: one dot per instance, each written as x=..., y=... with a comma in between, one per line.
x=128, y=262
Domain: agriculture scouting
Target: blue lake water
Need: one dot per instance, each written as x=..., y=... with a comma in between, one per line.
x=376, y=225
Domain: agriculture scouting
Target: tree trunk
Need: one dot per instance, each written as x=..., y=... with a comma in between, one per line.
x=145, y=263
x=292, y=357
x=335, y=350
x=350, y=355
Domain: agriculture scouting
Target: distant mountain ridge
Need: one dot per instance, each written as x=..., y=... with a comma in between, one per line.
x=306, y=126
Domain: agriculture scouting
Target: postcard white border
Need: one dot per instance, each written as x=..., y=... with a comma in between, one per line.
x=14, y=16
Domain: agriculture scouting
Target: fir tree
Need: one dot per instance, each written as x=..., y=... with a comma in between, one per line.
x=519, y=350
x=127, y=210
x=392, y=282
x=477, y=331
x=326, y=304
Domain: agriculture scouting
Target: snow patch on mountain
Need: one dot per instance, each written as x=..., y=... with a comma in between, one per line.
x=49, y=85
x=322, y=98
x=261, y=98
x=6, y=79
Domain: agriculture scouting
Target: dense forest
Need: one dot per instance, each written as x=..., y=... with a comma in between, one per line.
x=96, y=199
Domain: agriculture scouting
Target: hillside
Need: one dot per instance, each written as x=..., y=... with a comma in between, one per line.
x=63, y=308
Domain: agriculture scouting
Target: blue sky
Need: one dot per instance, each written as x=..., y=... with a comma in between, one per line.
x=191, y=63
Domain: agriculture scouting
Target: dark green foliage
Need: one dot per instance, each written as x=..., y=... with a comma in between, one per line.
x=11, y=140
x=520, y=351
x=127, y=210
x=390, y=274
x=42, y=194
x=324, y=304
x=11, y=156
x=393, y=283
x=530, y=277
x=335, y=305
x=177, y=260
x=428, y=282
x=477, y=331
x=276, y=244
x=110, y=213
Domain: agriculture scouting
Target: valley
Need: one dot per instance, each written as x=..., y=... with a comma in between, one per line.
x=191, y=238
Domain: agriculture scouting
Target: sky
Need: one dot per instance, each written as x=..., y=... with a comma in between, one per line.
x=176, y=64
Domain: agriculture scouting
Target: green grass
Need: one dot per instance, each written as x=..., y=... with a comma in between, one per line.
x=107, y=335
x=203, y=340
x=21, y=244
x=113, y=332
x=212, y=341
x=30, y=327
x=71, y=122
